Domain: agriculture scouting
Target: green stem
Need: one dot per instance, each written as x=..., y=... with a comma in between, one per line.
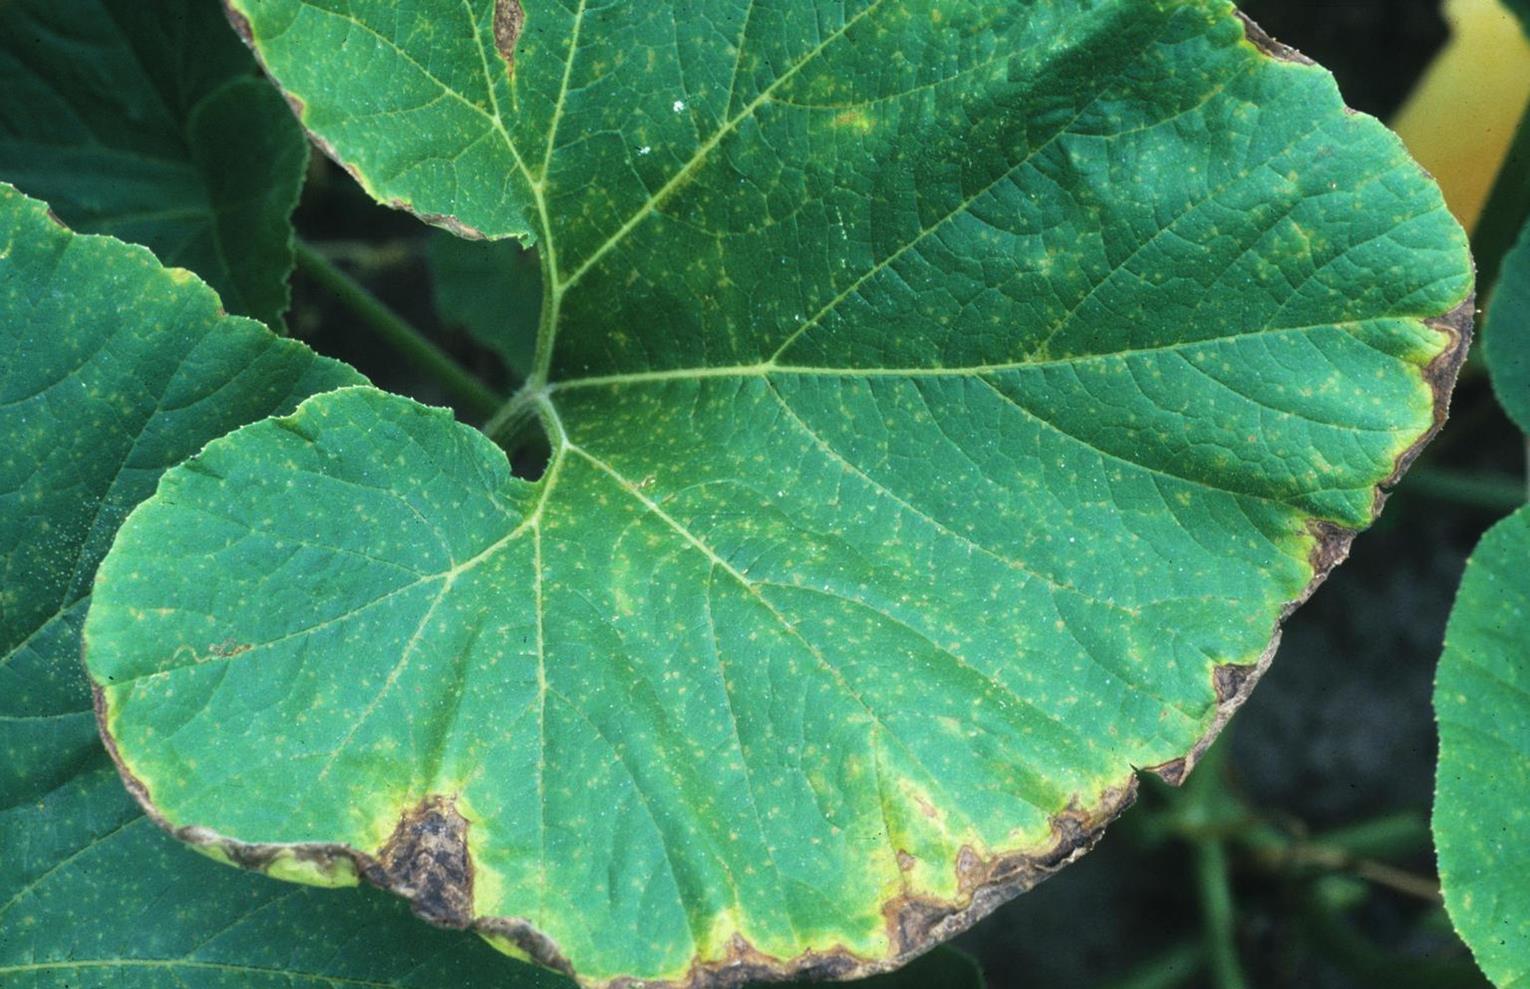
x=408, y=341
x=1507, y=206
x=1394, y=835
x=1498, y=493
x=1217, y=914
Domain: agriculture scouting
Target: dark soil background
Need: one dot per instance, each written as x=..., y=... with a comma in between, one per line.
x=1339, y=734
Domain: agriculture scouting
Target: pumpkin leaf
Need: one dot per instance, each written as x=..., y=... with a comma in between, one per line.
x=1482, y=801
x=947, y=402
x=1506, y=338
x=146, y=121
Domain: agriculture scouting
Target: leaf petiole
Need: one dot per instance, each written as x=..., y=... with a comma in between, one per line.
x=1217, y=914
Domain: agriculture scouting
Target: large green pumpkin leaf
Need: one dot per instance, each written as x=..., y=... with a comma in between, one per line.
x=1482, y=804
x=1506, y=339
x=145, y=120
x=948, y=399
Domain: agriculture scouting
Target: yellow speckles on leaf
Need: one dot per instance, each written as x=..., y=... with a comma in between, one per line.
x=856, y=120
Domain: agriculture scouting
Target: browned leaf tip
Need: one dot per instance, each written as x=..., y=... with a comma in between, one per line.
x=1261, y=40
x=915, y=923
x=240, y=22
x=1440, y=375
x=426, y=861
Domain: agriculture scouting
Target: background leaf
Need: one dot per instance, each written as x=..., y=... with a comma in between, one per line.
x=492, y=290
x=1521, y=10
x=1482, y=805
x=1506, y=339
x=145, y=120
x=1460, y=120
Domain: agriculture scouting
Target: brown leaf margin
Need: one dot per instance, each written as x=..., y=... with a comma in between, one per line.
x=426, y=859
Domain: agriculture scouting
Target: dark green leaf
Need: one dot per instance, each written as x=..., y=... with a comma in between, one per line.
x=491, y=289
x=1521, y=10
x=93, y=894
x=113, y=369
x=144, y=119
x=1506, y=338
x=1482, y=806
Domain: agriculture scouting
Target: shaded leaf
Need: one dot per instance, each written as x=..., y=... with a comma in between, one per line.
x=1506, y=339
x=948, y=400
x=1482, y=805
x=492, y=290
x=145, y=120
x=1521, y=10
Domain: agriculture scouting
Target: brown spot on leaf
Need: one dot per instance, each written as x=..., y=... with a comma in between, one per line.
x=744, y=964
x=241, y=23
x=509, y=18
x=442, y=220
x=1172, y=772
x=916, y=922
x=538, y=946
x=426, y=861
x=1232, y=683
x=1440, y=375
x=1261, y=40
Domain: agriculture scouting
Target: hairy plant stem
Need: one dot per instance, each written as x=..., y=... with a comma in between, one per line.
x=1217, y=914
x=476, y=397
